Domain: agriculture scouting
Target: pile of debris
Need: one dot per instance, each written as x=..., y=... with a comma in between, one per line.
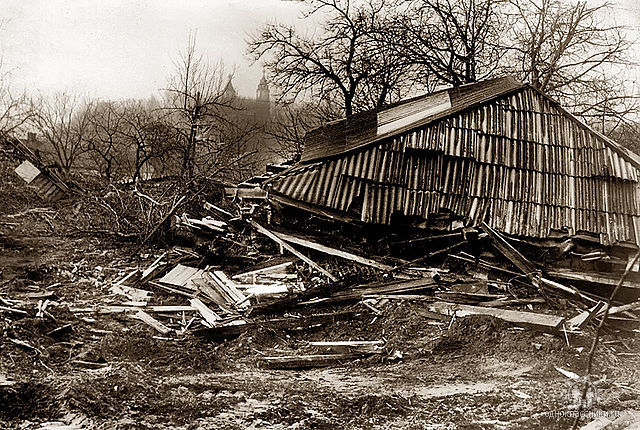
x=480, y=273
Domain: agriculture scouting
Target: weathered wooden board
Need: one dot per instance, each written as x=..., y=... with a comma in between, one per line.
x=542, y=321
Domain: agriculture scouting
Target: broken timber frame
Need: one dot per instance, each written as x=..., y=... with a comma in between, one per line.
x=526, y=266
x=335, y=252
x=291, y=249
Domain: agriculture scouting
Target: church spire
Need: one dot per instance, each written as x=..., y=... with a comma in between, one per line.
x=262, y=93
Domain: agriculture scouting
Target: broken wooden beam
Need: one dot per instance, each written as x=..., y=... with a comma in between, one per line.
x=209, y=316
x=430, y=255
x=334, y=252
x=513, y=255
x=398, y=287
x=350, y=346
x=623, y=308
x=120, y=309
x=509, y=302
x=583, y=318
x=277, y=268
x=307, y=361
x=536, y=320
x=212, y=207
x=527, y=268
x=151, y=321
x=291, y=249
x=13, y=310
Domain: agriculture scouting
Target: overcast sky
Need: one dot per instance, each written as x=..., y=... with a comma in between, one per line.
x=125, y=48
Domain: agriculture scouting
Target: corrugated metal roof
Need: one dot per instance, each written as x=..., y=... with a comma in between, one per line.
x=517, y=162
x=365, y=128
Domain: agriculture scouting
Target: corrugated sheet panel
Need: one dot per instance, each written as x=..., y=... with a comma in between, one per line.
x=518, y=163
x=361, y=129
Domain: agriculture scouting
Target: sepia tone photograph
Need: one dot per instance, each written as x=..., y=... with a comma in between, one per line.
x=319, y=214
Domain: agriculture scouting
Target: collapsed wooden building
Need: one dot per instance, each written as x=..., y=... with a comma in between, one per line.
x=496, y=151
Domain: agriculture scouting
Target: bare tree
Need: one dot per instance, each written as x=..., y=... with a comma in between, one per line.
x=574, y=53
x=194, y=99
x=455, y=41
x=104, y=143
x=559, y=44
x=289, y=126
x=64, y=121
x=343, y=62
x=151, y=137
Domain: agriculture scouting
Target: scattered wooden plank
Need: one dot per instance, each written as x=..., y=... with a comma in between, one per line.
x=120, y=309
x=462, y=297
x=152, y=269
x=430, y=255
x=509, y=302
x=410, y=297
x=526, y=266
x=40, y=295
x=227, y=294
x=360, y=346
x=210, y=206
x=624, y=308
x=559, y=287
x=513, y=255
x=151, y=321
x=593, y=278
x=484, y=264
x=403, y=286
x=349, y=343
x=267, y=290
x=307, y=361
x=209, y=316
x=172, y=290
x=58, y=331
x=89, y=364
x=541, y=321
x=25, y=345
x=277, y=268
x=13, y=310
x=335, y=252
x=291, y=249
x=583, y=318
x=205, y=290
x=182, y=276
x=229, y=285
x=126, y=278
x=134, y=294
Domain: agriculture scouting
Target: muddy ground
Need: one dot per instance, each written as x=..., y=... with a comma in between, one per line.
x=477, y=373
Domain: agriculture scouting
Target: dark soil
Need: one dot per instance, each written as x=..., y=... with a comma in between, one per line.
x=477, y=373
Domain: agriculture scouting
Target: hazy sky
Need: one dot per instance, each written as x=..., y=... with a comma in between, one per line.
x=121, y=49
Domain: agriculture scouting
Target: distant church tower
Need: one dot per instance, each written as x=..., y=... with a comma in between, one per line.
x=263, y=101
x=262, y=93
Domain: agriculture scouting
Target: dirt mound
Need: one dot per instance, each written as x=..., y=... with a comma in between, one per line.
x=473, y=331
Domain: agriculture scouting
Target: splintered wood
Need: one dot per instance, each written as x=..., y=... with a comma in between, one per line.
x=536, y=320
